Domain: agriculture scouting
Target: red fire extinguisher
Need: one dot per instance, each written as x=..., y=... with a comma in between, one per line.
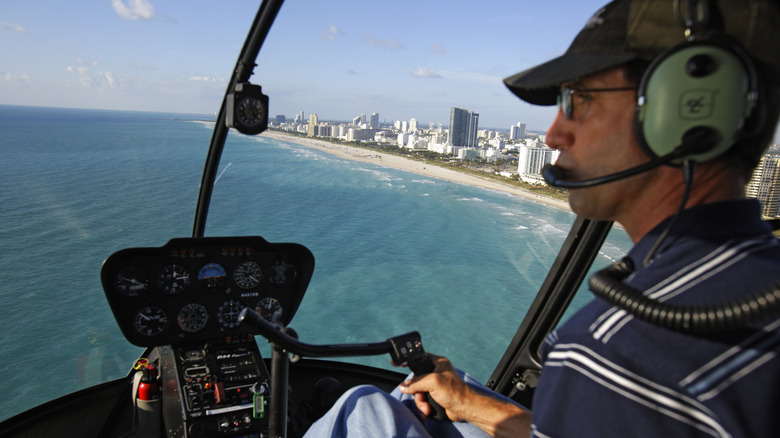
x=148, y=388
x=146, y=400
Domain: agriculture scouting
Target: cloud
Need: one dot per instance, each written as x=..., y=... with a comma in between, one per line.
x=134, y=9
x=438, y=49
x=90, y=80
x=394, y=44
x=12, y=26
x=207, y=79
x=18, y=79
x=386, y=44
x=424, y=72
x=110, y=79
x=331, y=33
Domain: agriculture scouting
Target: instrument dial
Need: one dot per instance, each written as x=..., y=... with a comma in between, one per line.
x=212, y=275
x=174, y=279
x=131, y=281
x=193, y=317
x=193, y=355
x=283, y=273
x=269, y=309
x=251, y=112
x=228, y=312
x=150, y=321
x=248, y=274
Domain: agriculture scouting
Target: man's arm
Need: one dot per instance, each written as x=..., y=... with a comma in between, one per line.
x=462, y=403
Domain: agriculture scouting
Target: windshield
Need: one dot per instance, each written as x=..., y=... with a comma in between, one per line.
x=395, y=250
x=397, y=247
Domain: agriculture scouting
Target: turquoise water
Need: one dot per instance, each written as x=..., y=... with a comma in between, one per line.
x=394, y=251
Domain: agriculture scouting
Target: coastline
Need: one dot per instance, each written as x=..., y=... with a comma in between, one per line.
x=418, y=167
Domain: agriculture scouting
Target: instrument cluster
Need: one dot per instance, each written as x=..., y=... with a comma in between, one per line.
x=193, y=289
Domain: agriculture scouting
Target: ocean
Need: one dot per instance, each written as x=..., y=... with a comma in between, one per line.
x=394, y=251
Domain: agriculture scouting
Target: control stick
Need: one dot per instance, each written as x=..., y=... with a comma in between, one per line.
x=404, y=349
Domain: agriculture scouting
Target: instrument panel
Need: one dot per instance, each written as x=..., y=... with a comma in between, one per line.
x=193, y=289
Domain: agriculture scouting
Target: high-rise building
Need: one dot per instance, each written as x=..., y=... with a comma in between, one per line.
x=517, y=132
x=531, y=158
x=764, y=185
x=374, y=120
x=463, y=127
x=413, y=125
x=313, y=122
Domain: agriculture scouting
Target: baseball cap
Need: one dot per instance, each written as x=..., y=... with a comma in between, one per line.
x=627, y=30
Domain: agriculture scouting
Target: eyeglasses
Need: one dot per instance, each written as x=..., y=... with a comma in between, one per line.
x=566, y=97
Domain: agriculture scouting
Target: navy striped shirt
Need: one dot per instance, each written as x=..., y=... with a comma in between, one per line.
x=606, y=373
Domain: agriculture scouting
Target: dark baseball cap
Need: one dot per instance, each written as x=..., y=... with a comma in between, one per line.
x=627, y=30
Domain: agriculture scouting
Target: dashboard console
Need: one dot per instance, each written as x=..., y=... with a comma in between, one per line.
x=193, y=289
x=185, y=298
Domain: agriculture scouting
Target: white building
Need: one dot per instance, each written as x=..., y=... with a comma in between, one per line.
x=764, y=185
x=517, y=132
x=532, y=158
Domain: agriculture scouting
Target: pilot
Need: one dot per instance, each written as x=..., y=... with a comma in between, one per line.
x=665, y=108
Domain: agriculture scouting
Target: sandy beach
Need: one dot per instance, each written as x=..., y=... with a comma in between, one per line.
x=433, y=171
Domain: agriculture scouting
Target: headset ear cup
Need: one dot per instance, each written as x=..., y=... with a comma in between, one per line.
x=696, y=85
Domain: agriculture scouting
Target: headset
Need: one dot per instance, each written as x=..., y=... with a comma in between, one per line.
x=693, y=100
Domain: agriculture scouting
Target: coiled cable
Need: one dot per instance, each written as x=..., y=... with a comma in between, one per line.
x=705, y=319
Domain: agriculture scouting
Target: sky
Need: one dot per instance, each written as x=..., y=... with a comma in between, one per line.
x=402, y=59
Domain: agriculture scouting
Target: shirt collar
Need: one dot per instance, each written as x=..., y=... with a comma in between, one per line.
x=736, y=218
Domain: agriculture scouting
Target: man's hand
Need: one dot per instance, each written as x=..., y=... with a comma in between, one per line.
x=444, y=385
x=462, y=403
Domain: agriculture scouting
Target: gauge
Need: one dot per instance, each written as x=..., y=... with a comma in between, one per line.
x=251, y=112
x=212, y=275
x=132, y=280
x=269, y=309
x=174, y=279
x=247, y=109
x=282, y=273
x=248, y=274
x=193, y=355
x=228, y=312
x=193, y=317
x=150, y=321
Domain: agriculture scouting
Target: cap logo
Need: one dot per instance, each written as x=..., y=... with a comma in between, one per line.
x=596, y=19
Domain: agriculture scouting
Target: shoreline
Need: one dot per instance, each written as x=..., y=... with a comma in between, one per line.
x=421, y=168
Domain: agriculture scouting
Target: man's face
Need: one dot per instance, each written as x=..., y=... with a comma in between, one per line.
x=599, y=140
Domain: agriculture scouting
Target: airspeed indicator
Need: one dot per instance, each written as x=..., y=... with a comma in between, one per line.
x=248, y=274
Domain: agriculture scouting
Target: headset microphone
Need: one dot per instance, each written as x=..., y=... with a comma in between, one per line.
x=695, y=140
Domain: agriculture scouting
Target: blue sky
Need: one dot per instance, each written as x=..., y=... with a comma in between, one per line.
x=402, y=59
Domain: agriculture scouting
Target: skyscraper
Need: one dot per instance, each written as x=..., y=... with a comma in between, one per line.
x=517, y=132
x=413, y=125
x=463, y=127
x=374, y=120
x=764, y=185
x=313, y=122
